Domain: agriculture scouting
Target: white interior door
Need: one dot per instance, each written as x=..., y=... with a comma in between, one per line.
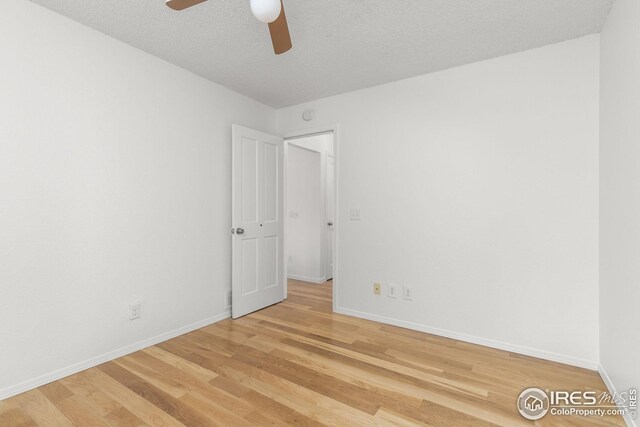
x=330, y=216
x=257, y=246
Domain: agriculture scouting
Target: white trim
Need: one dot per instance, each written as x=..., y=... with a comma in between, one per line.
x=328, y=264
x=612, y=390
x=541, y=354
x=95, y=361
x=300, y=133
x=318, y=280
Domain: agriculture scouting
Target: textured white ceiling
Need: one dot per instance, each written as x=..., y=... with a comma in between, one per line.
x=339, y=45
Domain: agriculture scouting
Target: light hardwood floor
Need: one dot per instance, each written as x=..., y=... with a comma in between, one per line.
x=298, y=363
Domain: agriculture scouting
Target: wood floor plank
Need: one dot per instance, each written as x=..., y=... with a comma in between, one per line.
x=279, y=412
x=156, y=396
x=179, y=363
x=122, y=417
x=80, y=385
x=55, y=391
x=158, y=379
x=385, y=417
x=140, y=407
x=81, y=412
x=334, y=388
x=213, y=411
x=16, y=418
x=194, y=386
x=298, y=363
x=41, y=409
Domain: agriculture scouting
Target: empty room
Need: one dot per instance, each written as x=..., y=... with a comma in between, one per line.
x=319, y=213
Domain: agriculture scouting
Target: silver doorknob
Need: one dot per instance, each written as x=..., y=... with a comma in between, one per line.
x=239, y=230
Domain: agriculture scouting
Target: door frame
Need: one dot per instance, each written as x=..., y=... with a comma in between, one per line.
x=303, y=133
x=329, y=229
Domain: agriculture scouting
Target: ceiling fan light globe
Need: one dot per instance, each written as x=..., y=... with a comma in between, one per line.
x=266, y=11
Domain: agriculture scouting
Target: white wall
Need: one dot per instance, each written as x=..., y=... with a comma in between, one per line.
x=306, y=200
x=620, y=196
x=479, y=187
x=114, y=185
x=304, y=225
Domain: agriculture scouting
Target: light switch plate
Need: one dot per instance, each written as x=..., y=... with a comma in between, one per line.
x=407, y=293
x=392, y=291
x=354, y=214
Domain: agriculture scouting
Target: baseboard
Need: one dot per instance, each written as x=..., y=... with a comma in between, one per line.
x=123, y=351
x=513, y=348
x=612, y=390
x=317, y=280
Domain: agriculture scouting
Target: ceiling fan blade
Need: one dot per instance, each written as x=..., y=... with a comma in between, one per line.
x=182, y=4
x=280, y=36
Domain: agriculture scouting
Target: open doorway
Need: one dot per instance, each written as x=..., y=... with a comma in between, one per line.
x=310, y=211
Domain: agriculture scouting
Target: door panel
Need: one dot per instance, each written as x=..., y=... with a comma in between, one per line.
x=257, y=272
x=271, y=261
x=271, y=166
x=249, y=259
x=249, y=181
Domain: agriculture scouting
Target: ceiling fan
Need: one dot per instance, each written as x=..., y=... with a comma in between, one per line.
x=268, y=11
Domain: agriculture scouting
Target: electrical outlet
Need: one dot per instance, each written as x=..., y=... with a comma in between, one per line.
x=392, y=291
x=229, y=300
x=377, y=289
x=134, y=310
x=407, y=293
x=354, y=214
